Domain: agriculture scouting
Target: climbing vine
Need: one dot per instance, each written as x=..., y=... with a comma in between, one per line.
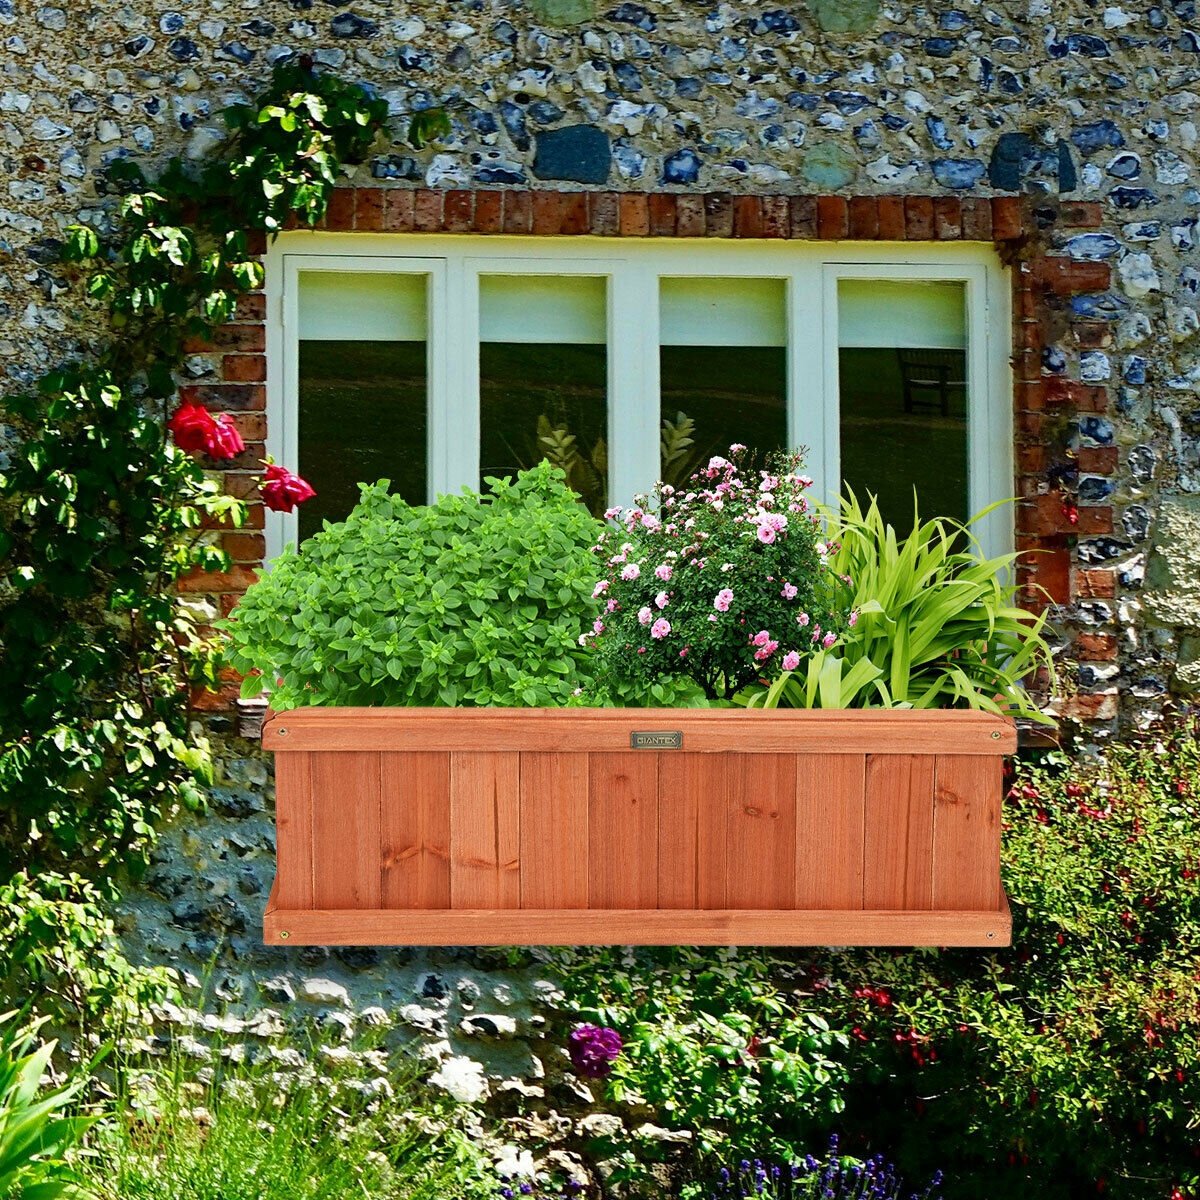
x=106, y=501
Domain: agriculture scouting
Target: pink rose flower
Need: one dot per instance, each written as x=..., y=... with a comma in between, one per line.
x=828, y=640
x=661, y=600
x=761, y=638
x=663, y=571
x=853, y=619
x=791, y=660
x=768, y=649
x=802, y=620
x=600, y=589
x=660, y=628
x=631, y=571
x=597, y=626
x=790, y=591
x=766, y=534
x=645, y=615
x=723, y=599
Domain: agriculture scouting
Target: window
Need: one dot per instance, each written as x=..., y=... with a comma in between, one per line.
x=437, y=361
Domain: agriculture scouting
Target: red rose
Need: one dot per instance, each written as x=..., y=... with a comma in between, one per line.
x=224, y=441
x=282, y=490
x=192, y=427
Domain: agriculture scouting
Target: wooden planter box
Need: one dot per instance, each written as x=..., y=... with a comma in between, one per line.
x=651, y=826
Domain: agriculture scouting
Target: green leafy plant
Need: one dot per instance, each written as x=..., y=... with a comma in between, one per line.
x=471, y=600
x=36, y=1129
x=713, y=1042
x=1069, y=1064
x=236, y=1131
x=101, y=514
x=935, y=625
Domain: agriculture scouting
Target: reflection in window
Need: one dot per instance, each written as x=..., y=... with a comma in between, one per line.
x=903, y=369
x=723, y=369
x=362, y=389
x=543, y=378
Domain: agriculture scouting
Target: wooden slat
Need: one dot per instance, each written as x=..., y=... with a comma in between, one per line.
x=347, y=869
x=554, y=831
x=692, y=801
x=485, y=830
x=638, y=927
x=898, y=852
x=415, y=830
x=294, y=830
x=830, y=830
x=608, y=730
x=622, y=830
x=761, y=828
x=966, y=831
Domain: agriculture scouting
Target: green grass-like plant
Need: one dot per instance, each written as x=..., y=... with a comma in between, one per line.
x=185, y=1131
x=937, y=624
x=471, y=600
x=37, y=1126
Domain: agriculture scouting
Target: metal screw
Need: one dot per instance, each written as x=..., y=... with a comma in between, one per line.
x=284, y=935
x=283, y=733
x=995, y=734
x=991, y=934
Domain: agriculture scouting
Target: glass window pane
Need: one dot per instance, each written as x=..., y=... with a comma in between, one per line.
x=543, y=378
x=362, y=388
x=903, y=368
x=723, y=369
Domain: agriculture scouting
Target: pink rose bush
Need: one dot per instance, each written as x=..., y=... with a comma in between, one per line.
x=725, y=581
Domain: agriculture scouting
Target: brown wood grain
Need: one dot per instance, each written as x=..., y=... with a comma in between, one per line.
x=622, y=830
x=966, y=831
x=830, y=830
x=638, y=927
x=294, y=830
x=415, y=830
x=554, y=830
x=898, y=851
x=692, y=801
x=704, y=731
x=346, y=860
x=485, y=830
x=761, y=831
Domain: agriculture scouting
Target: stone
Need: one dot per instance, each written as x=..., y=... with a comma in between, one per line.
x=462, y=1078
x=1171, y=593
x=682, y=167
x=576, y=153
x=828, y=166
x=959, y=173
x=1186, y=677
x=562, y=13
x=600, y=1125
x=324, y=991
x=845, y=16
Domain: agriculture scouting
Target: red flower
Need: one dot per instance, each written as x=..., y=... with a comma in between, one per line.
x=282, y=489
x=192, y=427
x=224, y=440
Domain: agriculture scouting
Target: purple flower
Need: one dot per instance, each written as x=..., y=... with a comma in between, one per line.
x=594, y=1049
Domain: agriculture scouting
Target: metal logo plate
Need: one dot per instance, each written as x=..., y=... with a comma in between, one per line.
x=657, y=740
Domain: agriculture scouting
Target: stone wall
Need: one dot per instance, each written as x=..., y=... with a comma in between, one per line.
x=1086, y=110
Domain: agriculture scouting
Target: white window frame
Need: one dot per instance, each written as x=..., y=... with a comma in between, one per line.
x=811, y=272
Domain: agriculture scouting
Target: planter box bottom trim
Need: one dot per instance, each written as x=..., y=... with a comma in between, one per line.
x=634, y=927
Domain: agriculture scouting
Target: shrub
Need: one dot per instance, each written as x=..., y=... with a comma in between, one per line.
x=472, y=600
x=718, y=584
x=181, y=1131
x=935, y=625
x=712, y=1042
x=1069, y=1064
x=36, y=1132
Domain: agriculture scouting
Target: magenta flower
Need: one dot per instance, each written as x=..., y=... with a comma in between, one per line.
x=852, y=620
x=828, y=640
x=791, y=660
x=660, y=628
x=767, y=650
x=594, y=1049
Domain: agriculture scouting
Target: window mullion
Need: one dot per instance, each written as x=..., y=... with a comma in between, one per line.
x=813, y=377
x=633, y=403
x=454, y=380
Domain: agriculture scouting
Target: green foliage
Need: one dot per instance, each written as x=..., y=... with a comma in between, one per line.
x=36, y=1128
x=713, y=1042
x=937, y=625
x=1068, y=1065
x=241, y=1132
x=472, y=600
x=58, y=943
x=101, y=515
x=720, y=583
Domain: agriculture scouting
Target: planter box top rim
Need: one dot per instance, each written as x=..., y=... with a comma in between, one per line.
x=842, y=731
